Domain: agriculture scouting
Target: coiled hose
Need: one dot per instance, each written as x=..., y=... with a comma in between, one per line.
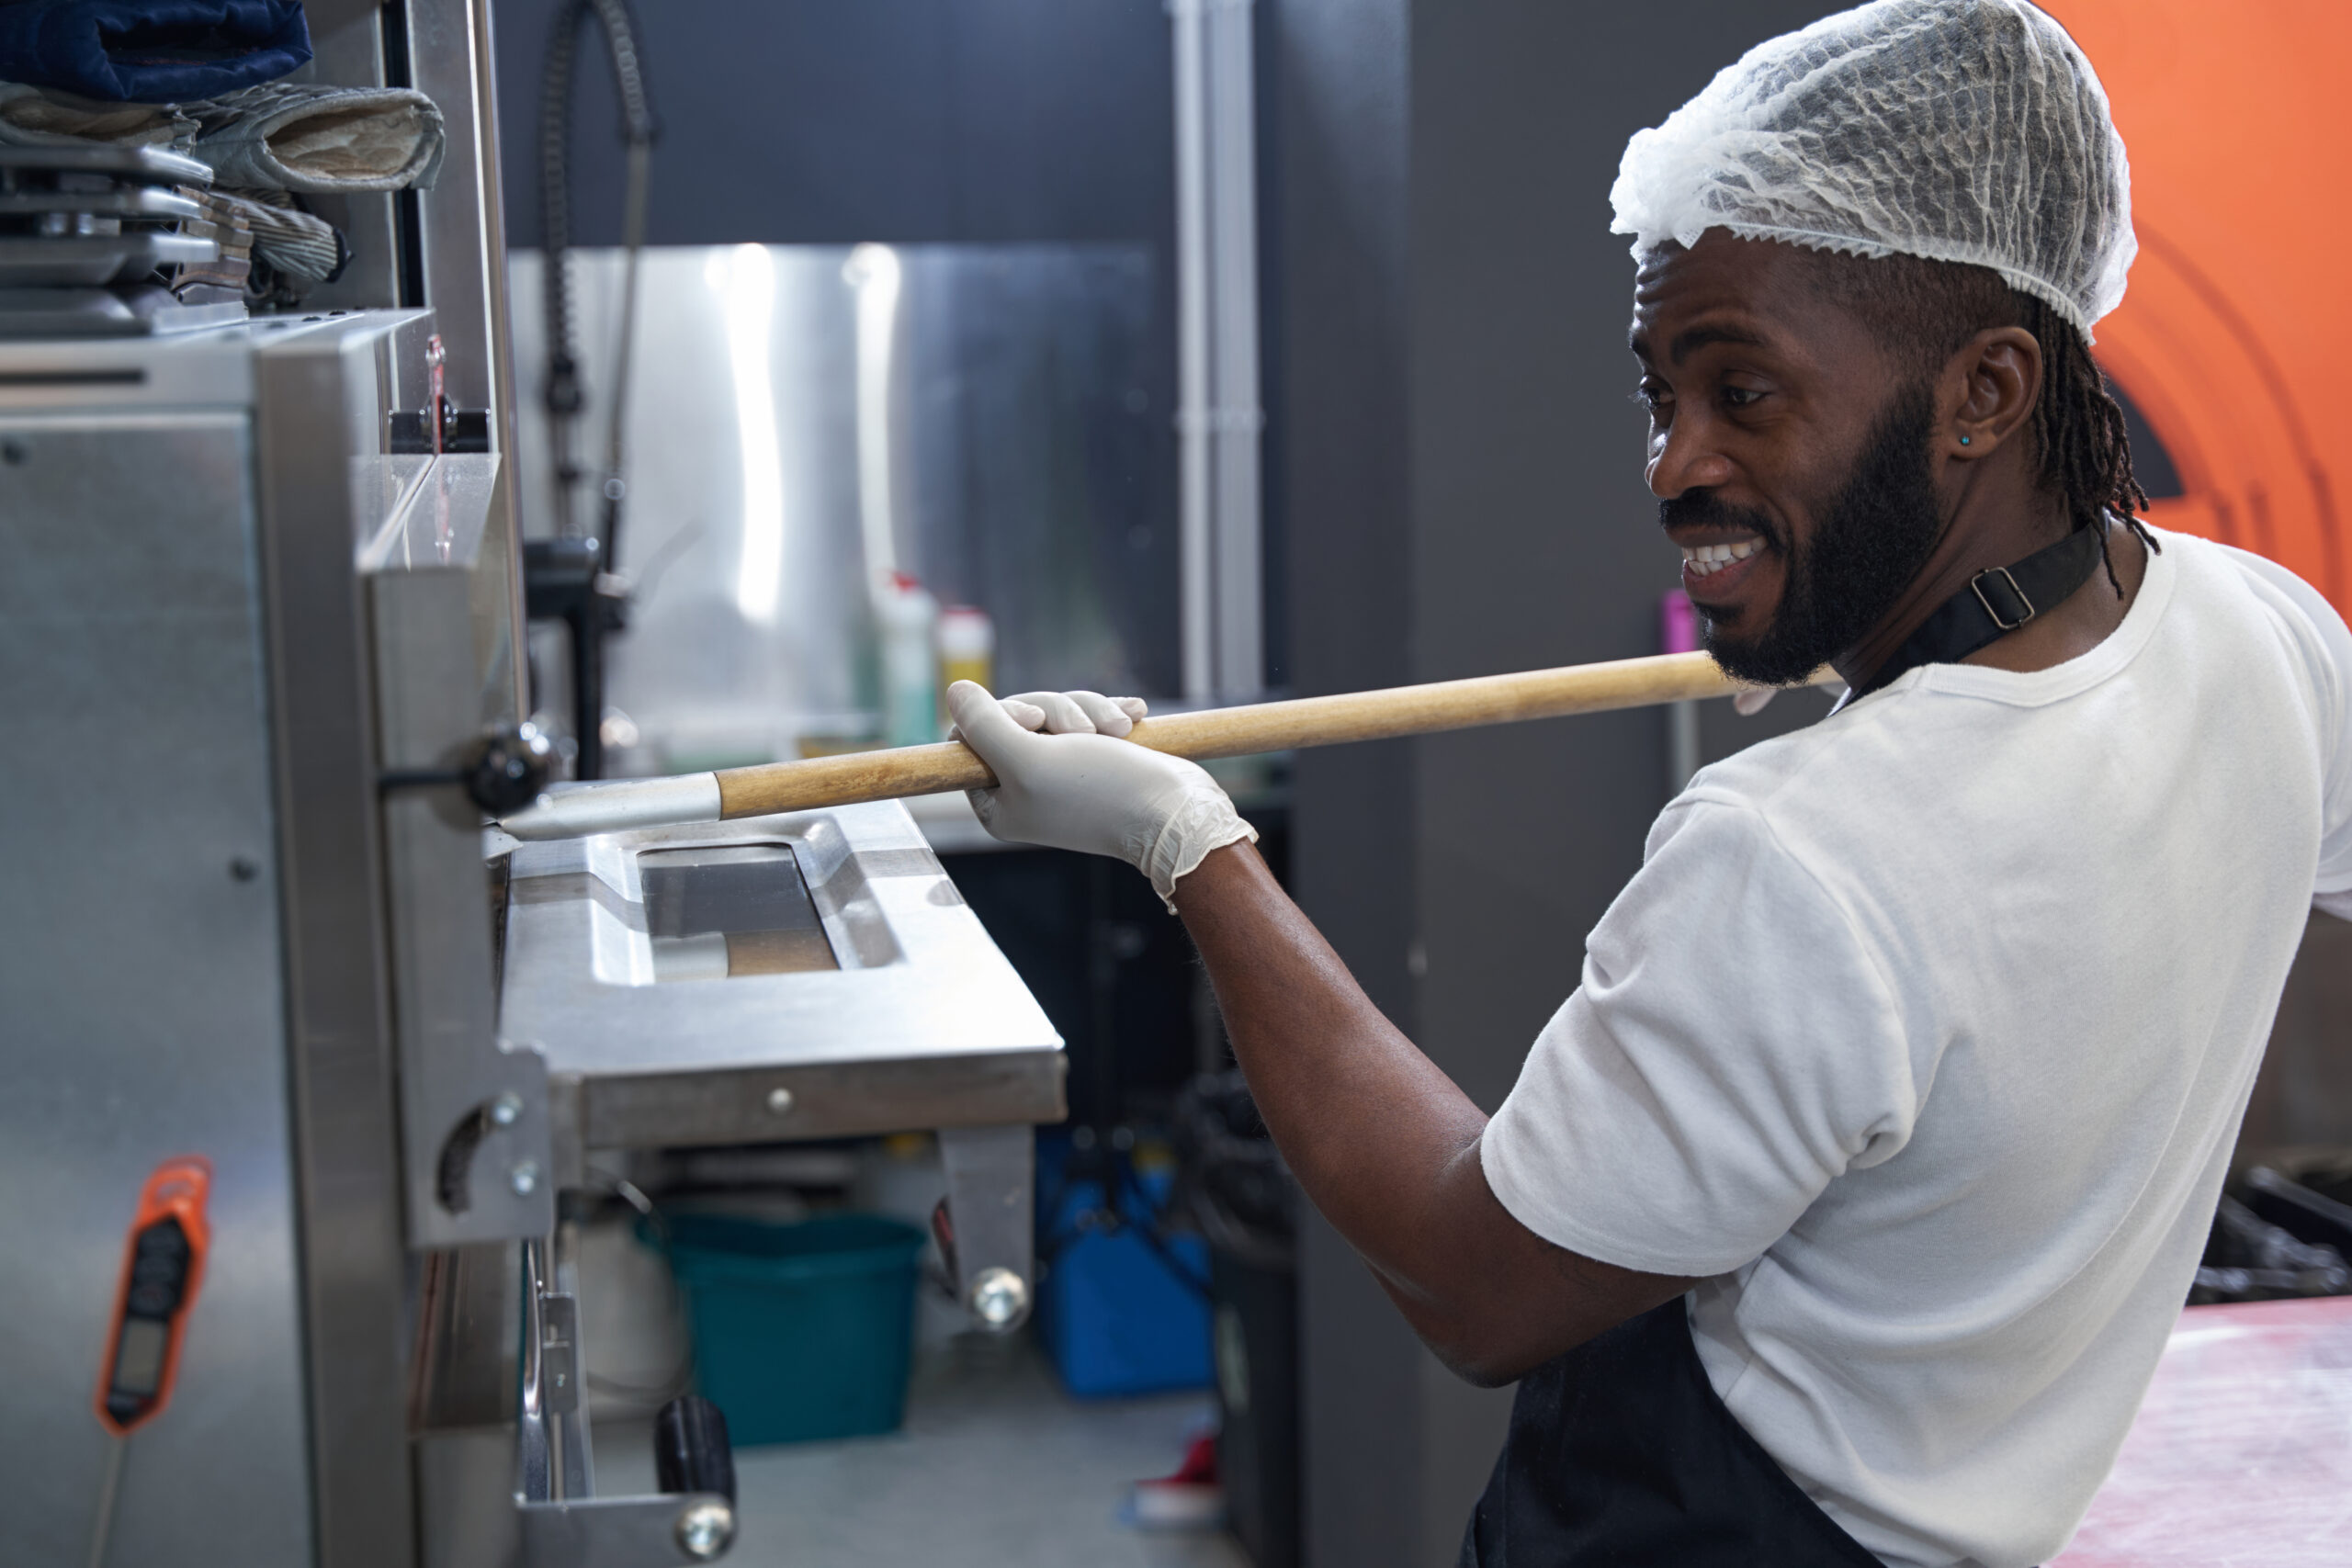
x=562, y=394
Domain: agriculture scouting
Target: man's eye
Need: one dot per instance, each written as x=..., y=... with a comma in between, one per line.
x=1740, y=397
x=1652, y=396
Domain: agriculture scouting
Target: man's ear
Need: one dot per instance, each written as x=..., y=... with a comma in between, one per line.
x=1990, y=387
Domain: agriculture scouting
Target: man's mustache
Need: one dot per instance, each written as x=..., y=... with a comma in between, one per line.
x=1702, y=508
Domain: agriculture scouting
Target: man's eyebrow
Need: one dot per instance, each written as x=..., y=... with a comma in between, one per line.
x=1691, y=338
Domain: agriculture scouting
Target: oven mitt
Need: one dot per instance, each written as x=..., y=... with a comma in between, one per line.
x=292, y=251
x=50, y=117
x=151, y=51
x=319, y=140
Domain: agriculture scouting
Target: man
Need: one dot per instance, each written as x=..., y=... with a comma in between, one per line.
x=1841, y=1215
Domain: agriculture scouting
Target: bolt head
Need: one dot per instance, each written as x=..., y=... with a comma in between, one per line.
x=1000, y=1298
x=779, y=1101
x=506, y=1110
x=705, y=1530
x=523, y=1177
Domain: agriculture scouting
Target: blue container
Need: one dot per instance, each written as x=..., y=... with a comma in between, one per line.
x=1114, y=1319
x=802, y=1331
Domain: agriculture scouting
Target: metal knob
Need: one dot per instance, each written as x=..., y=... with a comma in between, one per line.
x=705, y=1530
x=1000, y=1298
x=508, y=770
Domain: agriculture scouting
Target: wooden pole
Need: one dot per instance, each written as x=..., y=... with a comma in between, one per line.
x=1261, y=726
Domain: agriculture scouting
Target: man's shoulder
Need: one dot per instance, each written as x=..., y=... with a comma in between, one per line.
x=1785, y=771
x=2212, y=570
x=1849, y=791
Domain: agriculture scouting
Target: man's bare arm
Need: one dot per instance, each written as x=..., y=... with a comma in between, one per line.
x=1385, y=1145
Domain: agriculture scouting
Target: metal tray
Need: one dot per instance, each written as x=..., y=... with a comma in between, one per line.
x=148, y=166
x=104, y=313
x=916, y=1021
x=127, y=201
x=27, y=262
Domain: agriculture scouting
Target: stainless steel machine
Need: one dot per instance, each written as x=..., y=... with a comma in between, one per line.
x=300, y=1063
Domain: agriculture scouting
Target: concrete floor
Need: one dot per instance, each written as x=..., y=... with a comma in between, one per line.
x=996, y=1468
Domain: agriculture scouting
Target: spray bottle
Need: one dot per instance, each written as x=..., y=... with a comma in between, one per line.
x=909, y=619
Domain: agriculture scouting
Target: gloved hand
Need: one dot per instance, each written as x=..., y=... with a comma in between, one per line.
x=1076, y=786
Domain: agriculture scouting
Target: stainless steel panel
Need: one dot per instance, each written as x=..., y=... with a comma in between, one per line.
x=991, y=1178
x=803, y=417
x=462, y=216
x=139, y=941
x=473, y=1116
x=465, y=1484
x=323, y=394
x=706, y=1106
x=622, y=1532
x=925, y=1024
x=463, y=227
x=468, y=1327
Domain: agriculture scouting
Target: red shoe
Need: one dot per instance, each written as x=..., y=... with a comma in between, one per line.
x=1190, y=1499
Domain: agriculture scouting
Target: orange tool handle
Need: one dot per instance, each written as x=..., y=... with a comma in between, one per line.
x=163, y=1265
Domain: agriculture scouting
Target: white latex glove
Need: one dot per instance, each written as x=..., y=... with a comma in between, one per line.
x=1075, y=786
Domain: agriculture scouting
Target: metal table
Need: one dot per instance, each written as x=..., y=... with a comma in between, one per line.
x=808, y=976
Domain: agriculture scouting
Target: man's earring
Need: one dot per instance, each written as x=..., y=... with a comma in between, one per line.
x=1963, y=441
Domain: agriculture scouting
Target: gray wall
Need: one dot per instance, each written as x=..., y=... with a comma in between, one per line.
x=1460, y=469
x=837, y=121
x=1337, y=127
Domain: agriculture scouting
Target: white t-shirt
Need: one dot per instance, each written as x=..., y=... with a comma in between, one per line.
x=1926, y=1033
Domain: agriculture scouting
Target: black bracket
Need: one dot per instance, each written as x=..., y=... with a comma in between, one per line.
x=501, y=773
x=565, y=580
x=462, y=430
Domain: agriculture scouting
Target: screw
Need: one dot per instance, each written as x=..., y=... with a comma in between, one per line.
x=1000, y=1298
x=523, y=1177
x=779, y=1101
x=704, y=1529
x=506, y=1110
x=243, y=868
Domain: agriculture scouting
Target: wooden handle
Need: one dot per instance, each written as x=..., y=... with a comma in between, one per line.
x=1261, y=726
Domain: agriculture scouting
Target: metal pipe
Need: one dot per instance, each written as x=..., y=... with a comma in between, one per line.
x=1195, y=470
x=1234, y=415
x=1218, y=416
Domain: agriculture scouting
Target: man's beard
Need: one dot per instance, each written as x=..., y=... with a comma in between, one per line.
x=1868, y=544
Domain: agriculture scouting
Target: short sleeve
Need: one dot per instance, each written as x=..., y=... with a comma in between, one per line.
x=1733, y=1049
x=2329, y=649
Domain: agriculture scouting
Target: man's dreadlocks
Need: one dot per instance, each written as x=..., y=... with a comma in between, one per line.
x=1927, y=309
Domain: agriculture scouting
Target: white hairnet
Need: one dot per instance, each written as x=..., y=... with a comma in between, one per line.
x=1961, y=130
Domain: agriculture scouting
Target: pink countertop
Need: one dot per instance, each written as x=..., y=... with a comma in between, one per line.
x=2242, y=1456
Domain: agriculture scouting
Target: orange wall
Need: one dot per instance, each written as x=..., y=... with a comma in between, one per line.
x=2235, y=338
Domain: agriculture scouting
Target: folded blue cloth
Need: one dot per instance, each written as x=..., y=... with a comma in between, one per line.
x=151, y=51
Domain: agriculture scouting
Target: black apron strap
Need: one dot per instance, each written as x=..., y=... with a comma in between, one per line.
x=1996, y=603
x=1620, y=1453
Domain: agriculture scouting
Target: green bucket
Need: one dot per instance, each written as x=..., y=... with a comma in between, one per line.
x=802, y=1331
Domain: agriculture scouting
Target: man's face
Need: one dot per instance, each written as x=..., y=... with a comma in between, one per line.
x=1788, y=453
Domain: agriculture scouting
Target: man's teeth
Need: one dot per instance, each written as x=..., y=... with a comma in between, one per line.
x=1704, y=559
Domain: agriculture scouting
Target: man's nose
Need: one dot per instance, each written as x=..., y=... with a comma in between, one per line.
x=1683, y=457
